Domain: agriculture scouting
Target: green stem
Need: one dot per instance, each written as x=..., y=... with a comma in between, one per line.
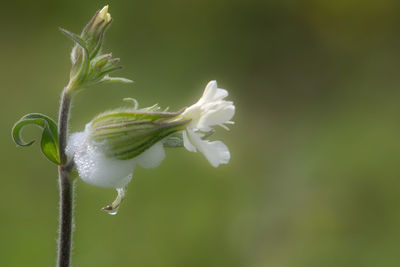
x=65, y=185
x=63, y=118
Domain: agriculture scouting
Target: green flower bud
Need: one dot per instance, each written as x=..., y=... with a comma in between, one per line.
x=89, y=66
x=93, y=34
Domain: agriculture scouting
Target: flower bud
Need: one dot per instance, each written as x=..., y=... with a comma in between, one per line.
x=89, y=66
x=93, y=34
x=102, y=17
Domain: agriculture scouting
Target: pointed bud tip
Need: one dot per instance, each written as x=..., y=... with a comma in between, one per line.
x=104, y=10
x=104, y=15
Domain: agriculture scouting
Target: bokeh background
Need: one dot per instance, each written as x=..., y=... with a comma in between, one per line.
x=314, y=174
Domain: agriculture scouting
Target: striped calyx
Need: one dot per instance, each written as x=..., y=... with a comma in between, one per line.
x=125, y=134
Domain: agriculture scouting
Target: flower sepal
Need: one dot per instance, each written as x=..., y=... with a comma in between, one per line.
x=125, y=134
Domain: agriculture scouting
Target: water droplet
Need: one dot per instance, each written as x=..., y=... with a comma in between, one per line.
x=112, y=212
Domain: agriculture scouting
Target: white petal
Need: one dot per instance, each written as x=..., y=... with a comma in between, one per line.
x=217, y=116
x=209, y=92
x=211, y=109
x=216, y=152
x=94, y=167
x=186, y=142
x=213, y=93
x=220, y=94
x=152, y=157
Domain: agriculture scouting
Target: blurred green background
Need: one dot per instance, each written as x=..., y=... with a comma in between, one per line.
x=314, y=174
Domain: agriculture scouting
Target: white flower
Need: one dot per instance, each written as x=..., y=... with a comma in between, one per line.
x=210, y=110
x=97, y=168
x=107, y=151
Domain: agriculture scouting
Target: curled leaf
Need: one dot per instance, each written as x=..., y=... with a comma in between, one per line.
x=49, y=140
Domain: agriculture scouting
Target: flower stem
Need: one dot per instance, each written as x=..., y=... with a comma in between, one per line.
x=63, y=124
x=65, y=185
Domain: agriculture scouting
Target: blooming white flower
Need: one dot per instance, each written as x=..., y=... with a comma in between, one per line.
x=107, y=151
x=210, y=110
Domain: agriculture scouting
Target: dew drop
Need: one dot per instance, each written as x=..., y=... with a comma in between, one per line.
x=112, y=212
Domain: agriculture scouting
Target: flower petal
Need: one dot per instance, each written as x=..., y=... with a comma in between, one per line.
x=94, y=167
x=152, y=157
x=220, y=94
x=209, y=93
x=216, y=152
x=222, y=113
x=186, y=142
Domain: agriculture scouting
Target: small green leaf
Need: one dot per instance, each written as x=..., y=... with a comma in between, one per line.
x=116, y=79
x=74, y=37
x=84, y=68
x=49, y=140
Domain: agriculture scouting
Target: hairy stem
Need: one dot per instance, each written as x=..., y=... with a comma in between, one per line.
x=63, y=117
x=65, y=184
